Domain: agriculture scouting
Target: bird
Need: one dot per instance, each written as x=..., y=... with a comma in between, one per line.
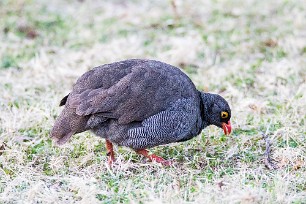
x=140, y=104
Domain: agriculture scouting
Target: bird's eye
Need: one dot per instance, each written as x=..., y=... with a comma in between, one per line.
x=224, y=114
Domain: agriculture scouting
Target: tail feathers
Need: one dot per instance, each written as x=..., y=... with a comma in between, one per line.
x=62, y=140
x=64, y=100
x=61, y=132
x=67, y=124
x=63, y=127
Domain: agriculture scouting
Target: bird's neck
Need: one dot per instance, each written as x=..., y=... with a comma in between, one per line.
x=206, y=102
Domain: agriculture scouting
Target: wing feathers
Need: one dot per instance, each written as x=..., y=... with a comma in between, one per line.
x=142, y=92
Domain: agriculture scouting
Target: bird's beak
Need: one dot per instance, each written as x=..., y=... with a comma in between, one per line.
x=227, y=128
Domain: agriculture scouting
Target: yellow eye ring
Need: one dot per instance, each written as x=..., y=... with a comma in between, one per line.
x=224, y=114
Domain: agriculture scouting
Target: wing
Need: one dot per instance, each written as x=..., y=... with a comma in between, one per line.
x=139, y=92
x=173, y=125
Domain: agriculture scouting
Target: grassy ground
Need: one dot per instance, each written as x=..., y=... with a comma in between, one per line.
x=251, y=52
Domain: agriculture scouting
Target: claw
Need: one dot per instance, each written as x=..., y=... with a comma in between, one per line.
x=153, y=157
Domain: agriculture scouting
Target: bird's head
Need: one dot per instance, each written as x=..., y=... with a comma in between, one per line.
x=216, y=111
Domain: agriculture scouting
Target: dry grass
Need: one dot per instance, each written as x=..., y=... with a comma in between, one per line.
x=251, y=52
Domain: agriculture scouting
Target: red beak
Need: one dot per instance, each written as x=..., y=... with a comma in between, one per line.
x=227, y=128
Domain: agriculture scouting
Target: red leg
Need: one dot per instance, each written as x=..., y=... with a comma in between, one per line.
x=110, y=152
x=153, y=157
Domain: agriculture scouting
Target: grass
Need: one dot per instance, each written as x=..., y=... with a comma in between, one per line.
x=251, y=52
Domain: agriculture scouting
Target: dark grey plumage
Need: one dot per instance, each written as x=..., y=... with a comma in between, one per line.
x=139, y=104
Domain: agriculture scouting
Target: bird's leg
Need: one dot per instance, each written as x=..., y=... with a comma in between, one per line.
x=153, y=157
x=110, y=152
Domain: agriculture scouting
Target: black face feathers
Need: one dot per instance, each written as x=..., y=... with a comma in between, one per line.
x=216, y=109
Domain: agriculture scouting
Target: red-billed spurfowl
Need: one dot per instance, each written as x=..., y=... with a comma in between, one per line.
x=139, y=104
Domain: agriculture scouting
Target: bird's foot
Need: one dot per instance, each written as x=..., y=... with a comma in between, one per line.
x=111, y=158
x=161, y=160
x=153, y=157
